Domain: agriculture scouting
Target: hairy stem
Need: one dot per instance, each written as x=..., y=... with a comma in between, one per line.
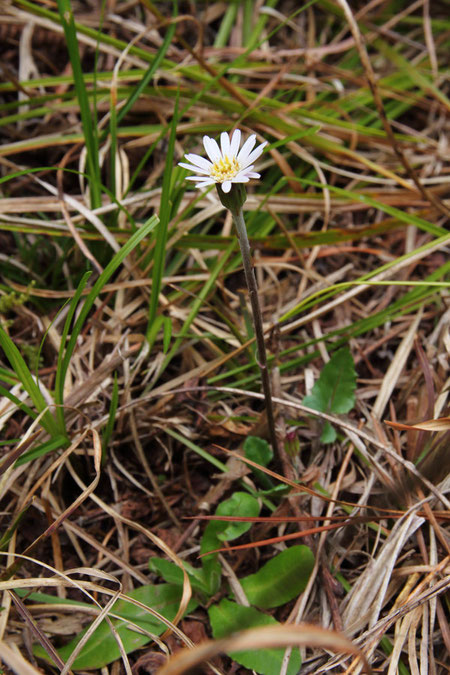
x=250, y=279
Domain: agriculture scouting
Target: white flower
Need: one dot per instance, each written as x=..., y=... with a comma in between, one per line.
x=227, y=165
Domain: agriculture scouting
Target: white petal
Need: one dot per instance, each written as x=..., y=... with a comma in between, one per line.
x=235, y=142
x=206, y=179
x=193, y=168
x=254, y=155
x=199, y=161
x=246, y=149
x=252, y=174
x=205, y=183
x=241, y=174
x=226, y=186
x=240, y=178
x=225, y=144
x=196, y=178
x=212, y=149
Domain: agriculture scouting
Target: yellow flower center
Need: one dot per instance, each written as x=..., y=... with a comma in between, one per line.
x=224, y=169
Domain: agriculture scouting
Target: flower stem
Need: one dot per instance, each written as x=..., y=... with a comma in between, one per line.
x=250, y=279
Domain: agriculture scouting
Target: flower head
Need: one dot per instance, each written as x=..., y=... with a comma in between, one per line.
x=227, y=164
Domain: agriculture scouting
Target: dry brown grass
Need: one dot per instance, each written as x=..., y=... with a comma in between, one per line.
x=363, y=192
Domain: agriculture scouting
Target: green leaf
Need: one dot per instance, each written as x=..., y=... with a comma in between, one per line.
x=240, y=504
x=46, y=598
x=212, y=569
x=334, y=391
x=227, y=617
x=102, y=648
x=173, y=574
x=258, y=450
x=216, y=532
x=281, y=579
x=328, y=434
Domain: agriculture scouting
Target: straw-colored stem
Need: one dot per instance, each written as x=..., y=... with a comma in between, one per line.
x=250, y=279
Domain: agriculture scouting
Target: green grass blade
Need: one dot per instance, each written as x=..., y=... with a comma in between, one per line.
x=325, y=293
x=197, y=304
x=254, y=38
x=226, y=26
x=17, y=402
x=147, y=77
x=405, y=217
x=44, y=449
x=159, y=257
x=22, y=371
x=89, y=128
x=118, y=258
x=63, y=364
